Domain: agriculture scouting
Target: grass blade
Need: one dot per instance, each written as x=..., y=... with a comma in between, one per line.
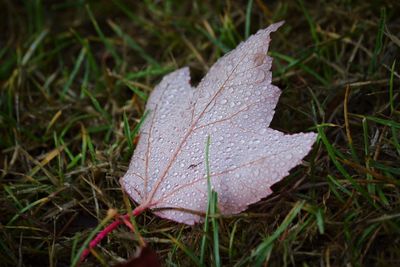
x=104, y=40
x=378, y=42
x=248, y=19
x=332, y=154
x=211, y=212
x=33, y=47
x=391, y=97
x=264, y=249
x=74, y=72
x=132, y=44
x=128, y=135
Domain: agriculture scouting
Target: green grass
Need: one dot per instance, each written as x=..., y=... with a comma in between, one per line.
x=74, y=80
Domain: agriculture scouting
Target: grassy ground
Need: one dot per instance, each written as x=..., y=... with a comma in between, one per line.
x=74, y=76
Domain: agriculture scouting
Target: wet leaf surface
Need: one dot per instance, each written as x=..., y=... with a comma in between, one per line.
x=234, y=105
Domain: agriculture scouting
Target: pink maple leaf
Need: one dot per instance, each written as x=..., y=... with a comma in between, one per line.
x=234, y=105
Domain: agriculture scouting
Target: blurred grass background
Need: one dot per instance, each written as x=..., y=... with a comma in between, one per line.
x=74, y=79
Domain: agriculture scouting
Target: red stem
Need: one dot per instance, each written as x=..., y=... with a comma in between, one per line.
x=111, y=227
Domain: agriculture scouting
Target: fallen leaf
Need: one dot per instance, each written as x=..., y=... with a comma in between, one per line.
x=234, y=105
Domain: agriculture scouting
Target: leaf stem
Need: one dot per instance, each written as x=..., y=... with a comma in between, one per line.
x=111, y=227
